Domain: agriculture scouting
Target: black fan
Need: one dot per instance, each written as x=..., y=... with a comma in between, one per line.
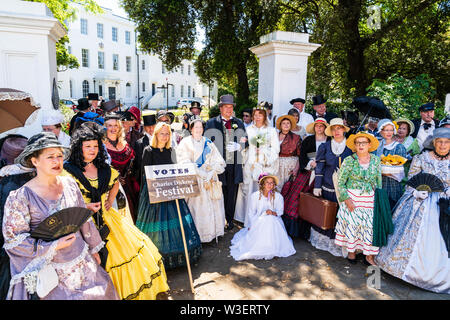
x=426, y=182
x=61, y=223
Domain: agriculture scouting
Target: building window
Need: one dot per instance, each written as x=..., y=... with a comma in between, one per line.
x=182, y=69
x=85, y=58
x=127, y=37
x=143, y=86
x=101, y=60
x=189, y=91
x=85, y=88
x=71, y=88
x=163, y=70
x=143, y=64
x=115, y=62
x=181, y=91
x=189, y=70
x=173, y=91
x=128, y=60
x=114, y=34
x=100, y=90
x=128, y=90
x=83, y=27
x=100, y=30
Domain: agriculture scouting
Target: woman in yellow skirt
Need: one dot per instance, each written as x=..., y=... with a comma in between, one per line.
x=130, y=257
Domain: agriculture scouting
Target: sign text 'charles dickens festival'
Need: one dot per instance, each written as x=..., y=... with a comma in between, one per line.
x=171, y=181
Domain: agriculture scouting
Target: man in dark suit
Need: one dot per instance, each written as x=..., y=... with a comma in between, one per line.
x=149, y=126
x=82, y=107
x=320, y=109
x=424, y=126
x=228, y=134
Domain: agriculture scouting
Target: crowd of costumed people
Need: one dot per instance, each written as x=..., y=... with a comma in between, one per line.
x=385, y=184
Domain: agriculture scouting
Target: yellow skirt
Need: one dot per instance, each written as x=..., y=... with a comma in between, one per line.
x=134, y=262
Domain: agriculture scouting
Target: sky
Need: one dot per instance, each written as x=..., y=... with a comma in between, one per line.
x=117, y=9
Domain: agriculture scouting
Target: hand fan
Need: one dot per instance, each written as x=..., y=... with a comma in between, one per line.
x=426, y=182
x=61, y=223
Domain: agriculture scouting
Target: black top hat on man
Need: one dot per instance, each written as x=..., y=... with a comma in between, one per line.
x=93, y=96
x=195, y=104
x=83, y=104
x=149, y=119
x=319, y=99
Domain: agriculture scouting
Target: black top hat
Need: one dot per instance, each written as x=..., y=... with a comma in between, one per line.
x=226, y=99
x=109, y=105
x=149, y=119
x=195, y=104
x=83, y=104
x=427, y=106
x=297, y=100
x=93, y=96
x=319, y=99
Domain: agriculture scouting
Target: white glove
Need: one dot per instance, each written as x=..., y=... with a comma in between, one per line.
x=317, y=192
x=233, y=146
x=420, y=194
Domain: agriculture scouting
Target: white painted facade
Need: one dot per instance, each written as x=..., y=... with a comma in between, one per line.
x=28, y=35
x=123, y=83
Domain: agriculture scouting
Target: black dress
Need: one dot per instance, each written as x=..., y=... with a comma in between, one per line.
x=160, y=220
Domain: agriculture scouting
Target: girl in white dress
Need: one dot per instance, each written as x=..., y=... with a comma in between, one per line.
x=208, y=213
x=265, y=237
x=261, y=156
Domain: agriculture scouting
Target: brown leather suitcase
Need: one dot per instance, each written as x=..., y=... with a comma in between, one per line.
x=318, y=211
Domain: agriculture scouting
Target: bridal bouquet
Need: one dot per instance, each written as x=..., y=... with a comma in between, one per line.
x=258, y=140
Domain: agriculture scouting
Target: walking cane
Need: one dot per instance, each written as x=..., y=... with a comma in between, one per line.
x=185, y=248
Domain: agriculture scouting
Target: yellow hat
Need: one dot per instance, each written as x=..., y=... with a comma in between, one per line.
x=374, y=143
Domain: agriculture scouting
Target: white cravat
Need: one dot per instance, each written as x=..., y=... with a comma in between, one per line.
x=423, y=134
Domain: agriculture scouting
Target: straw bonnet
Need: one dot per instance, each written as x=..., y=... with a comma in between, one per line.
x=409, y=122
x=40, y=141
x=374, y=143
x=263, y=176
x=284, y=117
x=310, y=127
x=335, y=122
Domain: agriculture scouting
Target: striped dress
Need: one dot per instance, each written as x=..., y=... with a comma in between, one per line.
x=354, y=230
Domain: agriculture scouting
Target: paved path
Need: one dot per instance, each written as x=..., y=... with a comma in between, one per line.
x=309, y=274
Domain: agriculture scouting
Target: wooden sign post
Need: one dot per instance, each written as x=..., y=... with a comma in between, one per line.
x=173, y=182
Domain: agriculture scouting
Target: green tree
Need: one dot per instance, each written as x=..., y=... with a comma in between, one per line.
x=168, y=28
x=65, y=12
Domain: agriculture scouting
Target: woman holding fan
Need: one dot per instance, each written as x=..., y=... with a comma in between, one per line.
x=74, y=258
x=419, y=250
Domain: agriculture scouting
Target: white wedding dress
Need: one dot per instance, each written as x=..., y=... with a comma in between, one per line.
x=266, y=236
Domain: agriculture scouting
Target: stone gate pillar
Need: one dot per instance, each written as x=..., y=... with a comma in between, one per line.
x=283, y=60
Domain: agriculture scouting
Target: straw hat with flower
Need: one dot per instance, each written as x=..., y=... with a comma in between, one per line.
x=310, y=127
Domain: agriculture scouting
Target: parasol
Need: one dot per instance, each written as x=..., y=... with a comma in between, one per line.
x=15, y=108
x=61, y=223
x=371, y=107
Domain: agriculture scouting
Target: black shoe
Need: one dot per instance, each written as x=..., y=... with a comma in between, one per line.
x=352, y=261
x=230, y=226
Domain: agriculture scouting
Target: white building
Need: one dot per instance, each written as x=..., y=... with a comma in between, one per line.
x=110, y=65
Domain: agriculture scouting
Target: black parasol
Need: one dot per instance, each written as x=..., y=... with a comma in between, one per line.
x=371, y=107
x=62, y=223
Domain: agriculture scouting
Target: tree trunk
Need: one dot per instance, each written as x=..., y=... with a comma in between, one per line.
x=350, y=12
x=242, y=90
